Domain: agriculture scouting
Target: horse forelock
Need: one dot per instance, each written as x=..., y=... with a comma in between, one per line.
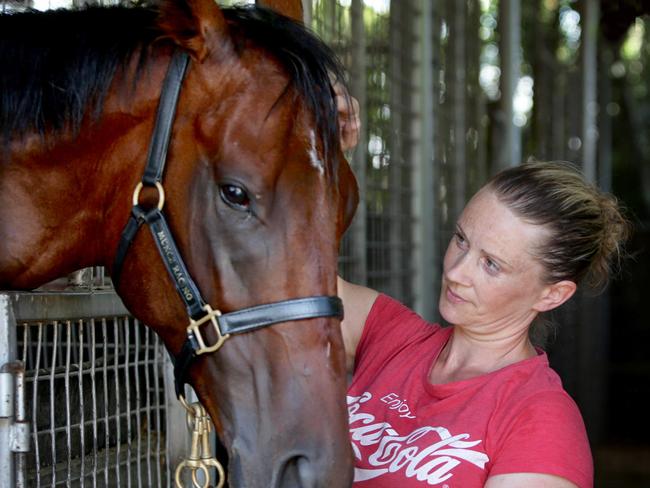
x=59, y=65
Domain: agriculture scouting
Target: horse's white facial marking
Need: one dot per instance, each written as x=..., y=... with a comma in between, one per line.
x=316, y=162
x=329, y=349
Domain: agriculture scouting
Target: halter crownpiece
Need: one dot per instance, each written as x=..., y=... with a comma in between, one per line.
x=201, y=313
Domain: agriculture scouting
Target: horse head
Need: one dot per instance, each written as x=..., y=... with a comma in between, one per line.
x=257, y=195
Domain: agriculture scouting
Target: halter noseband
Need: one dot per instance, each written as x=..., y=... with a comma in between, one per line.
x=199, y=311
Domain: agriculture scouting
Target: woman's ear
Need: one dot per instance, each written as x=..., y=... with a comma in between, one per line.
x=555, y=295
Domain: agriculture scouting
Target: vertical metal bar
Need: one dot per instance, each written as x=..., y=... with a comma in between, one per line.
x=476, y=104
x=7, y=355
x=55, y=340
x=37, y=369
x=359, y=229
x=330, y=20
x=605, y=120
x=307, y=12
x=589, y=67
x=593, y=326
x=147, y=388
x=21, y=421
x=107, y=427
x=22, y=415
x=457, y=91
x=68, y=422
x=509, y=47
x=156, y=390
x=93, y=392
x=80, y=371
x=138, y=427
x=127, y=381
x=425, y=190
x=116, y=376
x=399, y=9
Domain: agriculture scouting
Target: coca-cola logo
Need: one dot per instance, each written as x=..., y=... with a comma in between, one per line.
x=427, y=453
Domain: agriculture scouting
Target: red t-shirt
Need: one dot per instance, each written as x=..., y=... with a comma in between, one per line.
x=407, y=432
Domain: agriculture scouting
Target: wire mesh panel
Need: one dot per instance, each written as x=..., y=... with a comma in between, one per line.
x=95, y=399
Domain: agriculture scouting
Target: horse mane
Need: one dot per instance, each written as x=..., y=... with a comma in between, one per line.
x=58, y=65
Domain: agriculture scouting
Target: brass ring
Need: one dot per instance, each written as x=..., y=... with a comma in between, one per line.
x=161, y=194
x=193, y=470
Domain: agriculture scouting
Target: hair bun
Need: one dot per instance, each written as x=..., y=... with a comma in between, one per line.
x=615, y=230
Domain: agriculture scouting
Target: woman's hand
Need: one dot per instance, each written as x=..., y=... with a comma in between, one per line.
x=348, y=113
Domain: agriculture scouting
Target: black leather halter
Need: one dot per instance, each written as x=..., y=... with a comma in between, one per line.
x=199, y=311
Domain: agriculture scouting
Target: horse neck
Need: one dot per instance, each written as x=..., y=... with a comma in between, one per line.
x=56, y=207
x=65, y=198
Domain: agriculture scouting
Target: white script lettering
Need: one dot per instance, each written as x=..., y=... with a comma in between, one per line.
x=428, y=454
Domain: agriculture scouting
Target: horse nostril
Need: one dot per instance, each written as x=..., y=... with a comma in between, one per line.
x=297, y=473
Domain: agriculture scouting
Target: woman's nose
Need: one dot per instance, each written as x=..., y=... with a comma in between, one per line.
x=458, y=268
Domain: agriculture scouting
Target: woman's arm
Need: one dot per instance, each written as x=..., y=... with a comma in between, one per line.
x=357, y=302
x=528, y=480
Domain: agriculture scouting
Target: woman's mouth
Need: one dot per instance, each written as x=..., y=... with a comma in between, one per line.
x=453, y=297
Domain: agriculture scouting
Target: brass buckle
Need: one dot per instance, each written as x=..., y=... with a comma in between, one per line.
x=193, y=328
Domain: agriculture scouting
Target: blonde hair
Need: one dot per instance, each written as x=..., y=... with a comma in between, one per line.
x=586, y=226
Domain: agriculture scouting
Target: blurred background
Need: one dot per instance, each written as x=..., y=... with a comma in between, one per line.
x=451, y=91
x=454, y=90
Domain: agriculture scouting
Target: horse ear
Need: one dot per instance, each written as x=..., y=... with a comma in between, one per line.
x=290, y=8
x=198, y=26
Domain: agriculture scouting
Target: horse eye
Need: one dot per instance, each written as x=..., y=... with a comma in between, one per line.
x=235, y=196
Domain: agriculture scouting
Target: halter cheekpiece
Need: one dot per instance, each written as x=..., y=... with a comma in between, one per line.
x=199, y=311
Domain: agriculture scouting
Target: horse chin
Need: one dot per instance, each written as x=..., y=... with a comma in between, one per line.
x=314, y=460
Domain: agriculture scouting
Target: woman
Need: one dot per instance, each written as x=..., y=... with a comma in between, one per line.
x=476, y=404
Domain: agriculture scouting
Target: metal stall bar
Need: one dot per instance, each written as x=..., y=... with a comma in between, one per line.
x=509, y=46
x=93, y=373
x=425, y=191
x=405, y=116
x=358, y=69
x=398, y=50
x=458, y=97
x=7, y=396
x=593, y=324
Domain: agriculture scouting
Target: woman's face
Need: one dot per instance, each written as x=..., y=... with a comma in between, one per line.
x=491, y=281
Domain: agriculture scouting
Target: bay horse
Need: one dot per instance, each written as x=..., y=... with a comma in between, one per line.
x=217, y=129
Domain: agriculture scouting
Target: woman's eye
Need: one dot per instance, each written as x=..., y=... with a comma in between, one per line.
x=235, y=196
x=492, y=266
x=460, y=240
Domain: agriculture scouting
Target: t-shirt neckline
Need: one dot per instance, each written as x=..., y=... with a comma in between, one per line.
x=444, y=390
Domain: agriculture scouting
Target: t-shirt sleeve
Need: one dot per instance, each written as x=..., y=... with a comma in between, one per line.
x=547, y=436
x=390, y=326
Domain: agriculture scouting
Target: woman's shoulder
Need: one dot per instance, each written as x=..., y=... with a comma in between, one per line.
x=535, y=376
x=535, y=401
x=530, y=383
x=543, y=433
